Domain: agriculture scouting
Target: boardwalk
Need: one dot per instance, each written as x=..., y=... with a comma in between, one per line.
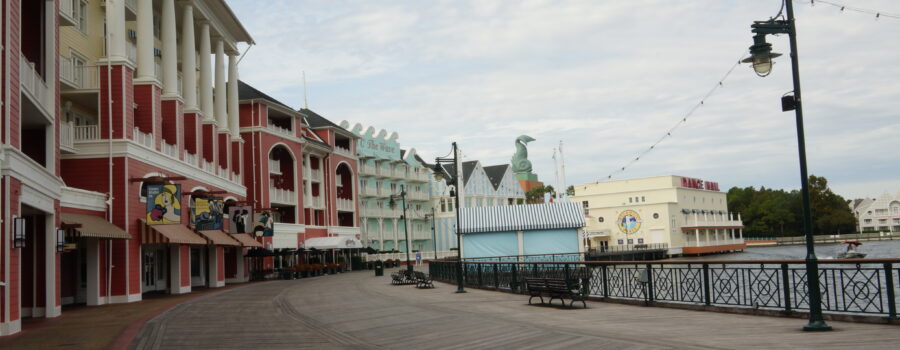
x=358, y=310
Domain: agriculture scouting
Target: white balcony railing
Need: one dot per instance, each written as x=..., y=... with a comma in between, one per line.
x=78, y=77
x=400, y=172
x=316, y=175
x=382, y=171
x=222, y=172
x=190, y=158
x=67, y=136
x=367, y=191
x=419, y=176
x=144, y=139
x=701, y=221
x=343, y=152
x=207, y=166
x=346, y=204
x=315, y=202
x=87, y=132
x=279, y=130
x=283, y=196
x=34, y=84
x=366, y=169
x=169, y=150
x=237, y=178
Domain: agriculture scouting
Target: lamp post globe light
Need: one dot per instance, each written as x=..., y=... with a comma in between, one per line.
x=392, y=203
x=454, y=180
x=761, y=56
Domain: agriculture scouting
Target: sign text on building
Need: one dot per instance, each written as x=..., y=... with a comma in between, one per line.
x=699, y=184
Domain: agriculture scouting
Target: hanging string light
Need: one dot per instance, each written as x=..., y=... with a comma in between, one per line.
x=683, y=120
x=842, y=7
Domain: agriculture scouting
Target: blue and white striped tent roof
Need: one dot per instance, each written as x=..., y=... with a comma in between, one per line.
x=521, y=217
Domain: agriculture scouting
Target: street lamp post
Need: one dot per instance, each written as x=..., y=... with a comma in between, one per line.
x=433, y=236
x=455, y=181
x=761, y=58
x=402, y=197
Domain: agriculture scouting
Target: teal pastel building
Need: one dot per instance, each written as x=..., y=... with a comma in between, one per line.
x=385, y=168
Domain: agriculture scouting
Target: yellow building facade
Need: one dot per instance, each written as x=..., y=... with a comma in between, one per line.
x=688, y=216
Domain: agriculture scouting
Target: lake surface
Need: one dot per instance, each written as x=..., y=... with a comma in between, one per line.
x=873, y=249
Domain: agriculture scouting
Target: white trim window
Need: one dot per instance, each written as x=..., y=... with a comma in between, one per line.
x=81, y=16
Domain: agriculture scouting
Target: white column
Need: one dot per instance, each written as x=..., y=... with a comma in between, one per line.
x=706, y=233
x=188, y=59
x=115, y=19
x=233, y=121
x=145, y=64
x=170, y=49
x=220, y=105
x=697, y=236
x=206, y=94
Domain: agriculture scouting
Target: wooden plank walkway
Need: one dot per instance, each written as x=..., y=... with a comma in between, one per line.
x=360, y=311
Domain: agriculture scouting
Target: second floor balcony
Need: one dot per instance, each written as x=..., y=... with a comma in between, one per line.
x=282, y=196
x=343, y=152
x=366, y=170
x=346, y=205
x=368, y=191
x=314, y=202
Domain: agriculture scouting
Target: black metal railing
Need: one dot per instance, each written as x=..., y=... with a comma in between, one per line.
x=591, y=254
x=867, y=286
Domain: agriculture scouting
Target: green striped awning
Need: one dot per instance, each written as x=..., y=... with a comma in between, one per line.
x=521, y=217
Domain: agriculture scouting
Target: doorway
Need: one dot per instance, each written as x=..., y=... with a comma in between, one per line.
x=198, y=266
x=154, y=261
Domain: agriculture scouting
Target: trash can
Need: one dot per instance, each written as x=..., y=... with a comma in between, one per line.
x=379, y=268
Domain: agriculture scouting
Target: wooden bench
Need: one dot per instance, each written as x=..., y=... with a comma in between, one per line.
x=423, y=280
x=555, y=288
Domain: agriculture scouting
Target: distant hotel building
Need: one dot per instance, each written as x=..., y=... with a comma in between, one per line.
x=878, y=214
x=384, y=170
x=689, y=215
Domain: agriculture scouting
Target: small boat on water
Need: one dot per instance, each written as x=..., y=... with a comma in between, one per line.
x=851, y=252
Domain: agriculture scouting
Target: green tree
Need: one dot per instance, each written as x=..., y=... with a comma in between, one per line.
x=570, y=191
x=536, y=195
x=830, y=212
x=768, y=212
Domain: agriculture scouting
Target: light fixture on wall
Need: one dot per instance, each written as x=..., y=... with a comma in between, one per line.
x=60, y=239
x=18, y=232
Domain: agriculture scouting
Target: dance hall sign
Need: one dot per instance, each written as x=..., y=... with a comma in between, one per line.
x=699, y=184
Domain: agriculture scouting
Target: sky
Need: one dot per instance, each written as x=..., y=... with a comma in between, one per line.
x=607, y=78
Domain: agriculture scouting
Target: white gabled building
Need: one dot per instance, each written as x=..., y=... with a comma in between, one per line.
x=488, y=186
x=878, y=214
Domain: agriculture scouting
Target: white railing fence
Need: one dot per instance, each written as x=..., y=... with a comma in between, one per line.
x=87, y=132
x=281, y=195
x=345, y=204
x=144, y=139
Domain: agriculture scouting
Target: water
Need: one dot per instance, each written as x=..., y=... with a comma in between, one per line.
x=824, y=251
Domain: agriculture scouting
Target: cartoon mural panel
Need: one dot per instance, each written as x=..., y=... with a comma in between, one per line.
x=163, y=204
x=206, y=213
x=264, y=224
x=240, y=217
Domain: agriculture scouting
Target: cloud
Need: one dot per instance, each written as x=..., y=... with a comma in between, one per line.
x=607, y=78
